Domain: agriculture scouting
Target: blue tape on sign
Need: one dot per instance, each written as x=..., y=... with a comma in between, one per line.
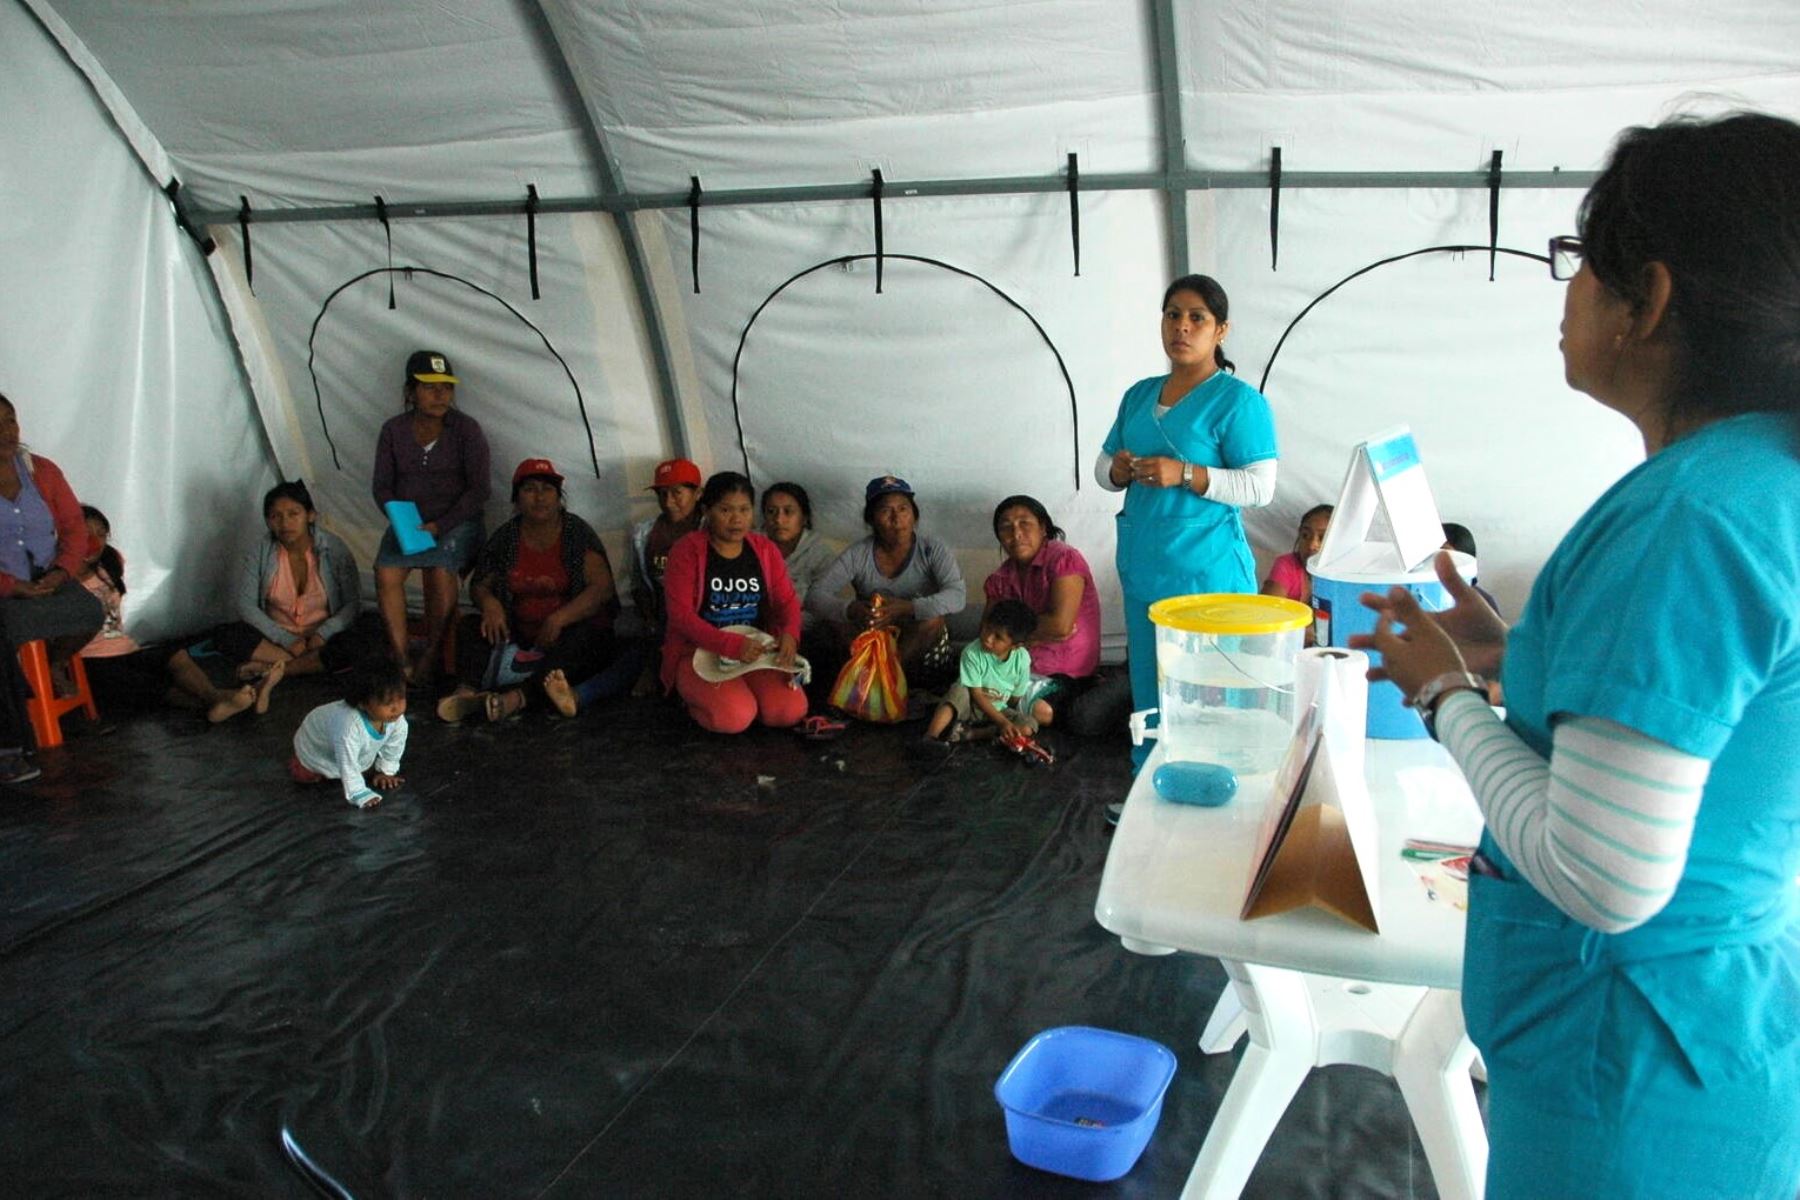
x=1393, y=456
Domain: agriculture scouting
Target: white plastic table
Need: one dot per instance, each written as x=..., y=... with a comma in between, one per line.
x=1311, y=989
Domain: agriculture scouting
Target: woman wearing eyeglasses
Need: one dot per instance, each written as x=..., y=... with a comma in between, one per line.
x=1632, y=970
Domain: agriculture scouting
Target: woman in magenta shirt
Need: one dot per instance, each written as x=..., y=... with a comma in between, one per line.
x=1053, y=579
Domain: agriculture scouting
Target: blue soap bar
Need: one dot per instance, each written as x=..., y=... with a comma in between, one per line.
x=1206, y=784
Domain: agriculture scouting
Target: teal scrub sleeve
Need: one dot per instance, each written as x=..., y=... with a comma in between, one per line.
x=1678, y=623
x=1247, y=434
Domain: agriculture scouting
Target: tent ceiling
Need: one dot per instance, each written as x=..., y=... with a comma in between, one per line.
x=303, y=102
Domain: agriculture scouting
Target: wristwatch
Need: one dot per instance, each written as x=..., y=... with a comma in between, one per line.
x=1187, y=476
x=1425, y=700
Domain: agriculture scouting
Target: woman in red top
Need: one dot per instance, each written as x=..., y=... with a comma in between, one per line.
x=722, y=575
x=545, y=590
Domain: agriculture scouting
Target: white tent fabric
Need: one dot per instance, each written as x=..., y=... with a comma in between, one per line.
x=113, y=346
x=298, y=103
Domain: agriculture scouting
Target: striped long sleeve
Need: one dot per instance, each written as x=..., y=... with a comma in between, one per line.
x=1602, y=829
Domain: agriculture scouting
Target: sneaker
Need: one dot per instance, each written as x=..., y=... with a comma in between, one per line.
x=16, y=768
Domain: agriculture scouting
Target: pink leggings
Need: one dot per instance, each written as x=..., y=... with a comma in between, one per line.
x=729, y=707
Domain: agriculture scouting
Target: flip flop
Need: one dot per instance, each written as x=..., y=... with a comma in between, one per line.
x=820, y=728
x=460, y=706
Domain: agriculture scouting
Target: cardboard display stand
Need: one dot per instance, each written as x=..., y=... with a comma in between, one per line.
x=1386, y=518
x=1317, y=845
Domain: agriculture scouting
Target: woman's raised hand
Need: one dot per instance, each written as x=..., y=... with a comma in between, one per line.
x=1470, y=624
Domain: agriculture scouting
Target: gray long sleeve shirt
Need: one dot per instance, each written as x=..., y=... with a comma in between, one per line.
x=931, y=579
x=337, y=571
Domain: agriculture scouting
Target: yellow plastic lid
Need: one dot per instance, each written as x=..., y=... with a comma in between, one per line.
x=1231, y=612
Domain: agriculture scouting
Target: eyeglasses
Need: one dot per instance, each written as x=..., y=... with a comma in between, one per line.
x=1565, y=257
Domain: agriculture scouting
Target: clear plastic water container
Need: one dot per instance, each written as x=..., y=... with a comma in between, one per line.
x=1225, y=677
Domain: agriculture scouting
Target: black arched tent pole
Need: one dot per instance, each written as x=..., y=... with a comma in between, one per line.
x=737, y=412
x=312, y=337
x=1318, y=299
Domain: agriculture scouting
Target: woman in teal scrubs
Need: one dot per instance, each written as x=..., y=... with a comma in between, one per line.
x=1188, y=449
x=1632, y=973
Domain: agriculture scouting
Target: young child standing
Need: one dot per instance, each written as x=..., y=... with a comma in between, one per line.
x=993, y=680
x=367, y=729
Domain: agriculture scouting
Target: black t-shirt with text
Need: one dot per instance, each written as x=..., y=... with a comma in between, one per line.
x=732, y=592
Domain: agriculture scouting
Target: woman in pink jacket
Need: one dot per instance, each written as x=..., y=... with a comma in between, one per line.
x=43, y=540
x=723, y=575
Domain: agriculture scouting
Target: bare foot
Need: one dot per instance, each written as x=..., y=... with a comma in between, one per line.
x=501, y=705
x=556, y=686
x=233, y=704
x=266, y=684
x=251, y=671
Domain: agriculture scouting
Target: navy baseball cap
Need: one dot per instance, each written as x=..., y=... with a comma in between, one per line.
x=886, y=485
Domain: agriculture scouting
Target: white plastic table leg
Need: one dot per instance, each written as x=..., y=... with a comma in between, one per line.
x=1431, y=1064
x=1283, y=1046
x=1227, y=1023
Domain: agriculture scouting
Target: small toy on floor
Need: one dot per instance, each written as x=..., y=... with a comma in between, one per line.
x=1033, y=752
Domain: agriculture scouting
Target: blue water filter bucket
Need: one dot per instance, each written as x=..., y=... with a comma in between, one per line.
x=1339, y=614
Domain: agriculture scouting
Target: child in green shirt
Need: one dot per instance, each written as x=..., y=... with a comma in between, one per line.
x=993, y=680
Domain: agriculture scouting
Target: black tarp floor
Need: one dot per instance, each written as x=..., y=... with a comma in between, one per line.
x=585, y=958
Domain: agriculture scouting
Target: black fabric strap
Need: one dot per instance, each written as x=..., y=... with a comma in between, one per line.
x=173, y=191
x=381, y=215
x=880, y=251
x=531, y=208
x=1493, y=213
x=1274, y=205
x=1075, y=210
x=244, y=229
x=694, y=229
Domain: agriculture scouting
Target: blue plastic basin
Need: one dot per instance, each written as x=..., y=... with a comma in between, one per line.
x=1083, y=1102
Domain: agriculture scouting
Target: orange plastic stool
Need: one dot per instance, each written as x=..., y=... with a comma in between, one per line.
x=45, y=707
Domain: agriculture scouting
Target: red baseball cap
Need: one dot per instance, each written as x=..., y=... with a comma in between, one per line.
x=674, y=471
x=536, y=468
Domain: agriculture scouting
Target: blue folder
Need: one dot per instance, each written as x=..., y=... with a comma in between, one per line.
x=403, y=515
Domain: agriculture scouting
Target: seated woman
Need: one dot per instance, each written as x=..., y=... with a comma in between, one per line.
x=298, y=596
x=723, y=575
x=1053, y=580
x=42, y=541
x=787, y=521
x=126, y=676
x=902, y=580
x=545, y=590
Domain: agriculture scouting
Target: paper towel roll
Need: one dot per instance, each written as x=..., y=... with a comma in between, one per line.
x=1338, y=681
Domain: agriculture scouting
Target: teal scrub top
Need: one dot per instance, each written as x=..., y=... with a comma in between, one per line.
x=1173, y=542
x=1673, y=608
